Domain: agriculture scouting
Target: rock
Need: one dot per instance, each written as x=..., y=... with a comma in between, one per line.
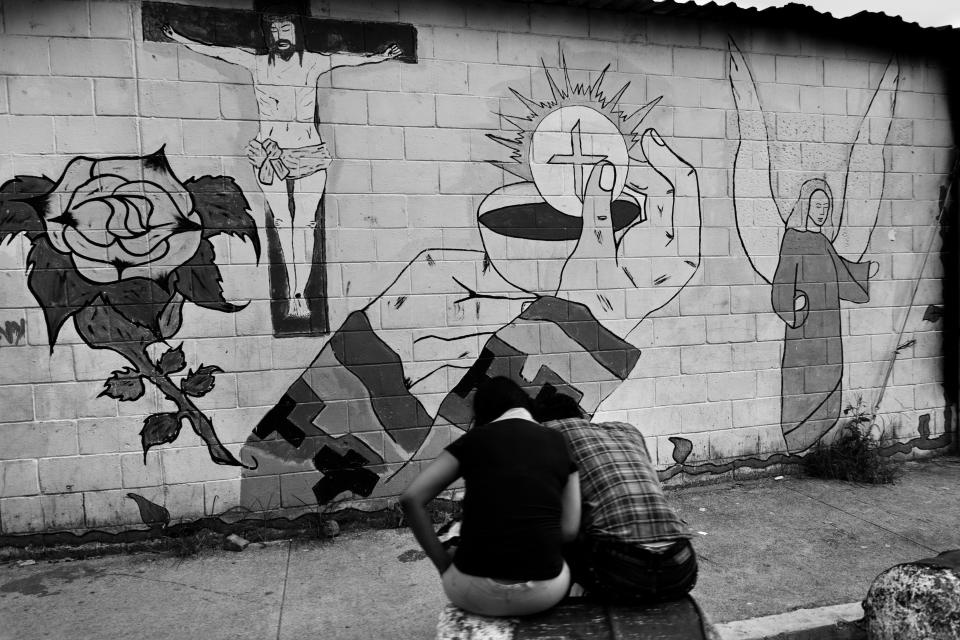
x=233, y=542
x=331, y=528
x=916, y=601
x=457, y=624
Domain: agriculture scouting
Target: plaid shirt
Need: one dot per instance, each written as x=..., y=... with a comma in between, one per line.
x=622, y=497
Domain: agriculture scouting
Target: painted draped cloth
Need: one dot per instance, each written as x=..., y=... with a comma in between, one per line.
x=812, y=272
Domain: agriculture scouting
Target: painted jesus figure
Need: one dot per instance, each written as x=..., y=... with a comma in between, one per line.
x=288, y=155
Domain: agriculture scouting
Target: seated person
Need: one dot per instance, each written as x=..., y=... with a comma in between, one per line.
x=521, y=504
x=632, y=546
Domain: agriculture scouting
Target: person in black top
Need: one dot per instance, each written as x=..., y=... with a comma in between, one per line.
x=521, y=504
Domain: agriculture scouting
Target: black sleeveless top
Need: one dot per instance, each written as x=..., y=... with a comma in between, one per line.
x=514, y=473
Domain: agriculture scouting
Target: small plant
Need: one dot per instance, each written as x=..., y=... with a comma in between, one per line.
x=855, y=454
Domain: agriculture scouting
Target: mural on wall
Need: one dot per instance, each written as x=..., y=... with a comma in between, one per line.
x=120, y=245
x=287, y=54
x=814, y=257
x=597, y=200
x=13, y=332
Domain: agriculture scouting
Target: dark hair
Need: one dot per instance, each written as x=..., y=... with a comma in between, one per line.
x=267, y=22
x=555, y=406
x=497, y=395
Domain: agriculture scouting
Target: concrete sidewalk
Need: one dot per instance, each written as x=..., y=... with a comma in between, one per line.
x=766, y=547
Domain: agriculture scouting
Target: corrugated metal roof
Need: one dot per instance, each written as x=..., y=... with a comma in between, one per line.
x=712, y=9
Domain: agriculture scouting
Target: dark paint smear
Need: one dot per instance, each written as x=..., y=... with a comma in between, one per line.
x=35, y=585
x=413, y=555
x=540, y=221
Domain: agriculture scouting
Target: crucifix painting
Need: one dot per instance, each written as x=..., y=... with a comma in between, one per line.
x=287, y=53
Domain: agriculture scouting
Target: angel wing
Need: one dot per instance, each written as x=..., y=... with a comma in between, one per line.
x=759, y=221
x=866, y=170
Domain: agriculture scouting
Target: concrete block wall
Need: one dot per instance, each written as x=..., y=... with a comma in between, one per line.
x=427, y=287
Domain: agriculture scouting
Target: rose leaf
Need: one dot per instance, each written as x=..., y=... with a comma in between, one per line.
x=199, y=280
x=103, y=327
x=159, y=428
x=171, y=317
x=139, y=300
x=200, y=382
x=21, y=206
x=222, y=208
x=56, y=285
x=150, y=512
x=124, y=384
x=172, y=360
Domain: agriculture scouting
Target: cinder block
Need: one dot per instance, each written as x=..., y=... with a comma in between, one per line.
x=179, y=99
x=705, y=358
x=21, y=515
x=184, y=500
x=434, y=12
x=216, y=138
x=17, y=403
x=708, y=416
x=929, y=396
x=467, y=45
x=106, y=435
x=911, y=104
x=402, y=109
x=47, y=18
x=72, y=400
x=22, y=55
x=679, y=390
x=756, y=412
x=373, y=143
x=734, y=328
x=405, y=177
x=434, y=76
x=80, y=473
x=800, y=127
x=699, y=123
x=349, y=176
x=734, y=443
x=113, y=508
x=673, y=31
x=220, y=495
x=18, y=478
x=678, y=331
x=341, y=106
x=114, y=97
x=84, y=135
x=24, y=364
x=50, y=96
x=794, y=70
x=108, y=19
x=617, y=26
x=753, y=356
x=91, y=58
x=870, y=321
x=437, y=144
x=4, y=102
x=705, y=300
x=468, y=112
x=384, y=76
x=497, y=16
x=38, y=440
x=698, y=63
x=653, y=59
x=63, y=511
x=466, y=178
x=193, y=464
x=373, y=212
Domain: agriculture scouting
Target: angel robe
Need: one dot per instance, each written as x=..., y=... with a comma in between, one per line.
x=813, y=348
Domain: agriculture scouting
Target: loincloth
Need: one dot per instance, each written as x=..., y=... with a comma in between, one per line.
x=273, y=161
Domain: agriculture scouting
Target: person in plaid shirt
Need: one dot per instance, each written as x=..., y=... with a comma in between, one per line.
x=632, y=544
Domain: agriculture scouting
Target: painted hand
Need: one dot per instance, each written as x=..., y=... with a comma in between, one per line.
x=169, y=32
x=644, y=265
x=393, y=51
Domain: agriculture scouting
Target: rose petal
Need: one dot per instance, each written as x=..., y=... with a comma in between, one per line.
x=92, y=219
x=87, y=241
x=76, y=173
x=119, y=221
x=152, y=169
x=95, y=270
x=182, y=247
x=96, y=188
x=144, y=245
x=156, y=209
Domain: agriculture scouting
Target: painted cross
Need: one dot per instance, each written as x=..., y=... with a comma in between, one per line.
x=283, y=47
x=576, y=158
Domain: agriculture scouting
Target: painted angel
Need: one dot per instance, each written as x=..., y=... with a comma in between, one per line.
x=811, y=255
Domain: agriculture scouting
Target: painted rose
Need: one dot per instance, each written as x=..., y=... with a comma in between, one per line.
x=122, y=218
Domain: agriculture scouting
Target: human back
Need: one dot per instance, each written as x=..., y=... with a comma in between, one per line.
x=521, y=504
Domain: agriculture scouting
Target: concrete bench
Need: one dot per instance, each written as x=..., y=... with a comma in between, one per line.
x=580, y=618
